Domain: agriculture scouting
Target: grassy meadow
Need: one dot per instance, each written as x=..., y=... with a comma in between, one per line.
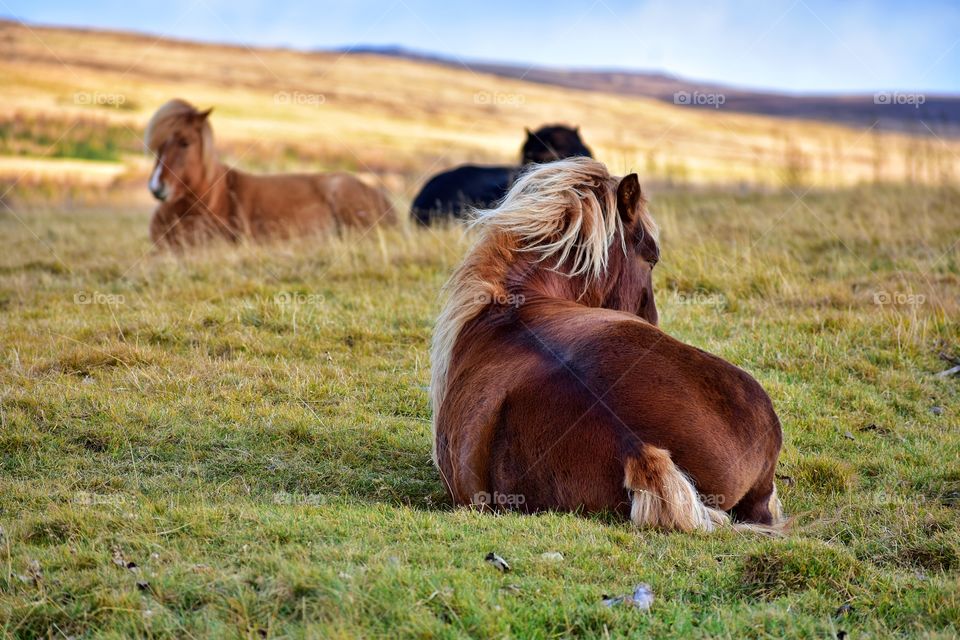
x=250, y=427
x=236, y=443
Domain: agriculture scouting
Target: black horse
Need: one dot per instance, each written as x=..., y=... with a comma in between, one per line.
x=453, y=193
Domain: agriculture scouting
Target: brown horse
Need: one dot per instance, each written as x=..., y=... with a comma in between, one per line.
x=553, y=388
x=201, y=199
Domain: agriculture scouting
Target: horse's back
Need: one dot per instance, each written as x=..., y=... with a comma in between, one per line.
x=711, y=415
x=453, y=193
x=291, y=203
x=356, y=203
x=519, y=424
x=577, y=389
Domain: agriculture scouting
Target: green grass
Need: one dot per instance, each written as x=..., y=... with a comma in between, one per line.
x=51, y=137
x=251, y=428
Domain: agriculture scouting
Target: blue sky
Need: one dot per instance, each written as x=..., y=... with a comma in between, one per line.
x=791, y=45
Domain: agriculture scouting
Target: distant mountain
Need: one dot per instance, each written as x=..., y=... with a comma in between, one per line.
x=903, y=111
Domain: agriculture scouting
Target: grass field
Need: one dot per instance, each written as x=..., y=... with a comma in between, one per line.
x=250, y=428
x=237, y=443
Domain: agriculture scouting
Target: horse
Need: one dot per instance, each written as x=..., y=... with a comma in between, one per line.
x=453, y=193
x=553, y=142
x=201, y=199
x=553, y=387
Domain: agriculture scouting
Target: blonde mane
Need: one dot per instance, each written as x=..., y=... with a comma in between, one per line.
x=561, y=213
x=172, y=116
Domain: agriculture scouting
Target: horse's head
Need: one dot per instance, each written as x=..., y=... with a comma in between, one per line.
x=576, y=232
x=553, y=142
x=631, y=270
x=181, y=139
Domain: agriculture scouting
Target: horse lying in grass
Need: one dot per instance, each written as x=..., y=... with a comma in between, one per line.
x=202, y=199
x=553, y=388
x=453, y=193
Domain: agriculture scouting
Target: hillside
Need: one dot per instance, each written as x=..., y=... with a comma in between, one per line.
x=84, y=97
x=897, y=111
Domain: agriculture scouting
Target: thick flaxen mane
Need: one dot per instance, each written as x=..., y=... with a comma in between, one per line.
x=172, y=116
x=559, y=211
x=562, y=214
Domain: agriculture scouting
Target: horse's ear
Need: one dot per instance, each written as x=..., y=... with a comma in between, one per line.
x=203, y=115
x=528, y=132
x=629, y=197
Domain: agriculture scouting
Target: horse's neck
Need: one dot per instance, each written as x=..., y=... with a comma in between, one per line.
x=218, y=200
x=532, y=281
x=213, y=197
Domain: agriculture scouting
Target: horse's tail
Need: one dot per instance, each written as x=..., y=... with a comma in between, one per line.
x=665, y=498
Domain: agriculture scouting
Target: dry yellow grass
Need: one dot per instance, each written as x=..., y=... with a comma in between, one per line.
x=403, y=120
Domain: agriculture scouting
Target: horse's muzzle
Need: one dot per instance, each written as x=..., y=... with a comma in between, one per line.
x=156, y=185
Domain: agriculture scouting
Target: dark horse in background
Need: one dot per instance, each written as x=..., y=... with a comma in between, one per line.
x=453, y=193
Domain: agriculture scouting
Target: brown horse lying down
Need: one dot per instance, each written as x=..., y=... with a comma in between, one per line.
x=201, y=199
x=553, y=388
